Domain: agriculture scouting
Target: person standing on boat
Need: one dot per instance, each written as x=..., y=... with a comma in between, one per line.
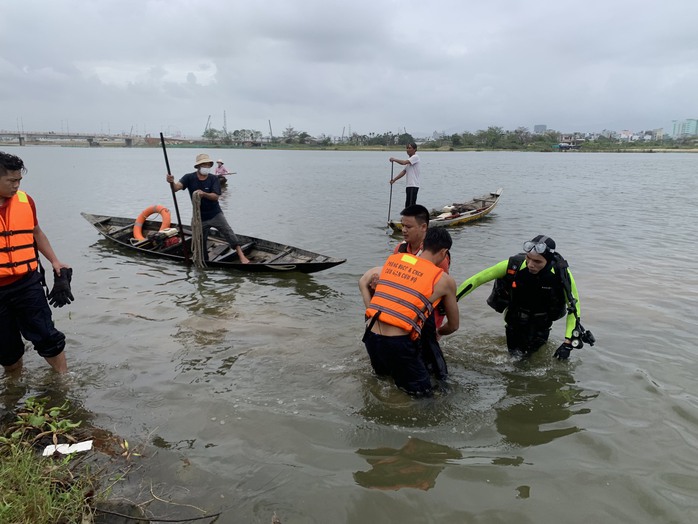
x=203, y=183
x=533, y=289
x=405, y=295
x=412, y=172
x=221, y=170
x=24, y=309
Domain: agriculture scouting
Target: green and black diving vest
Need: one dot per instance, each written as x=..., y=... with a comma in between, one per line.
x=550, y=296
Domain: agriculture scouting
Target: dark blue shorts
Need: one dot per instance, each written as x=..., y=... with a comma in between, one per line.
x=24, y=312
x=399, y=357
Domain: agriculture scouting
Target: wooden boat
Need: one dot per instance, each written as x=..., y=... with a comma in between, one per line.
x=264, y=255
x=223, y=179
x=457, y=214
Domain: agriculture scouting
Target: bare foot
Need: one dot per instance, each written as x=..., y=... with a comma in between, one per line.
x=241, y=255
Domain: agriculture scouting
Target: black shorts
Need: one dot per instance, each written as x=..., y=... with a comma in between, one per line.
x=400, y=358
x=24, y=312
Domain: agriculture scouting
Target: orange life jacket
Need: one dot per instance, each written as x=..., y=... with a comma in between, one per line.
x=17, y=253
x=403, y=291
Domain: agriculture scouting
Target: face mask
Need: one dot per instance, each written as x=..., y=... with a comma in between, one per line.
x=204, y=170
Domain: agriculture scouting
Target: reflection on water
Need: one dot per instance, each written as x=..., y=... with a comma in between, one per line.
x=220, y=327
x=531, y=399
x=46, y=384
x=204, y=334
x=415, y=465
x=301, y=284
x=54, y=390
x=206, y=295
x=213, y=363
x=384, y=403
x=535, y=407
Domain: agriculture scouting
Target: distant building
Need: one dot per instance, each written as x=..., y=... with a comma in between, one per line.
x=607, y=133
x=685, y=128
x=539, y=129
x=625, y=135
x=571, y=141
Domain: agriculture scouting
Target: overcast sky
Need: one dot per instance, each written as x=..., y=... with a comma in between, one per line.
x=322, y=66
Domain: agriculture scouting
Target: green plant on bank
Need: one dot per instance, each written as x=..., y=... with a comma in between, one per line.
x=40, y=490
x=36, y=421
x=36, y=489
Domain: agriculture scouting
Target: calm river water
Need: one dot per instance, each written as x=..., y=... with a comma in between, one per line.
x=254, y=395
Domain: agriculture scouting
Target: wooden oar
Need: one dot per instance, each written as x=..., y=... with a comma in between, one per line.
x=179, y=219
x=390, y=202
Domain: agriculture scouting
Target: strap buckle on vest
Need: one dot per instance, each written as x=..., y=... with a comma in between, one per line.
x=20, y=263
x=15, y=232
x=10, y=249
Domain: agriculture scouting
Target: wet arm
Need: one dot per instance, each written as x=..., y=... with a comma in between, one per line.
x=486, y=275
x=210, y=196
x=364, y=284
x=451, y=306
x=45, y=248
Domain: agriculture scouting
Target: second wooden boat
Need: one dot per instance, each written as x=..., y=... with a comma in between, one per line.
x=460, y=213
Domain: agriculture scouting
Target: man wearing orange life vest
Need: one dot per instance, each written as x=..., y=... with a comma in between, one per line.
x=408, y=289
x=24, y=310
x=415, y=222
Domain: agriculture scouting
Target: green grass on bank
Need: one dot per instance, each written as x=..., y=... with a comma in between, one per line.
x=68, y=489
x=36, y=489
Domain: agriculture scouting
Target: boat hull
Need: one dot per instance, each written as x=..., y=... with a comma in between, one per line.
x=265, y=256
x=481, y=207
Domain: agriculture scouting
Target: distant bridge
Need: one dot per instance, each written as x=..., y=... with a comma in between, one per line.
x=99, y=139
x=94, y=140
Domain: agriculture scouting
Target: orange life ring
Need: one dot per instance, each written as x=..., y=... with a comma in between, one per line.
x=138, y=225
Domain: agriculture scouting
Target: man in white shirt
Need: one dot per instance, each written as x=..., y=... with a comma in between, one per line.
x=412, y=172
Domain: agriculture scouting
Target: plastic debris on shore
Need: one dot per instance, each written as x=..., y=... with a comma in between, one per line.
x=67, y=449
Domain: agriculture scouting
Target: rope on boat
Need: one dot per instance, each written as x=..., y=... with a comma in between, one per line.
x=197, y=233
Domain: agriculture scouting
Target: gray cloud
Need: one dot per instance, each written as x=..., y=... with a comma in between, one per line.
x=320, y=66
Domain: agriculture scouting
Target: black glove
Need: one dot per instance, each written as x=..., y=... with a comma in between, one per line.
x=60, y=295
x=563, y=352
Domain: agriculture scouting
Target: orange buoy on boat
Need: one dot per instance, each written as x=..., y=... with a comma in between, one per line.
x=157, y=209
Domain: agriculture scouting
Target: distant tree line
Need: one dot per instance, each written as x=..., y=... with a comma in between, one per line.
x=237, y=137
x=497, y=138
x=492, y=138
x=292, y=136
